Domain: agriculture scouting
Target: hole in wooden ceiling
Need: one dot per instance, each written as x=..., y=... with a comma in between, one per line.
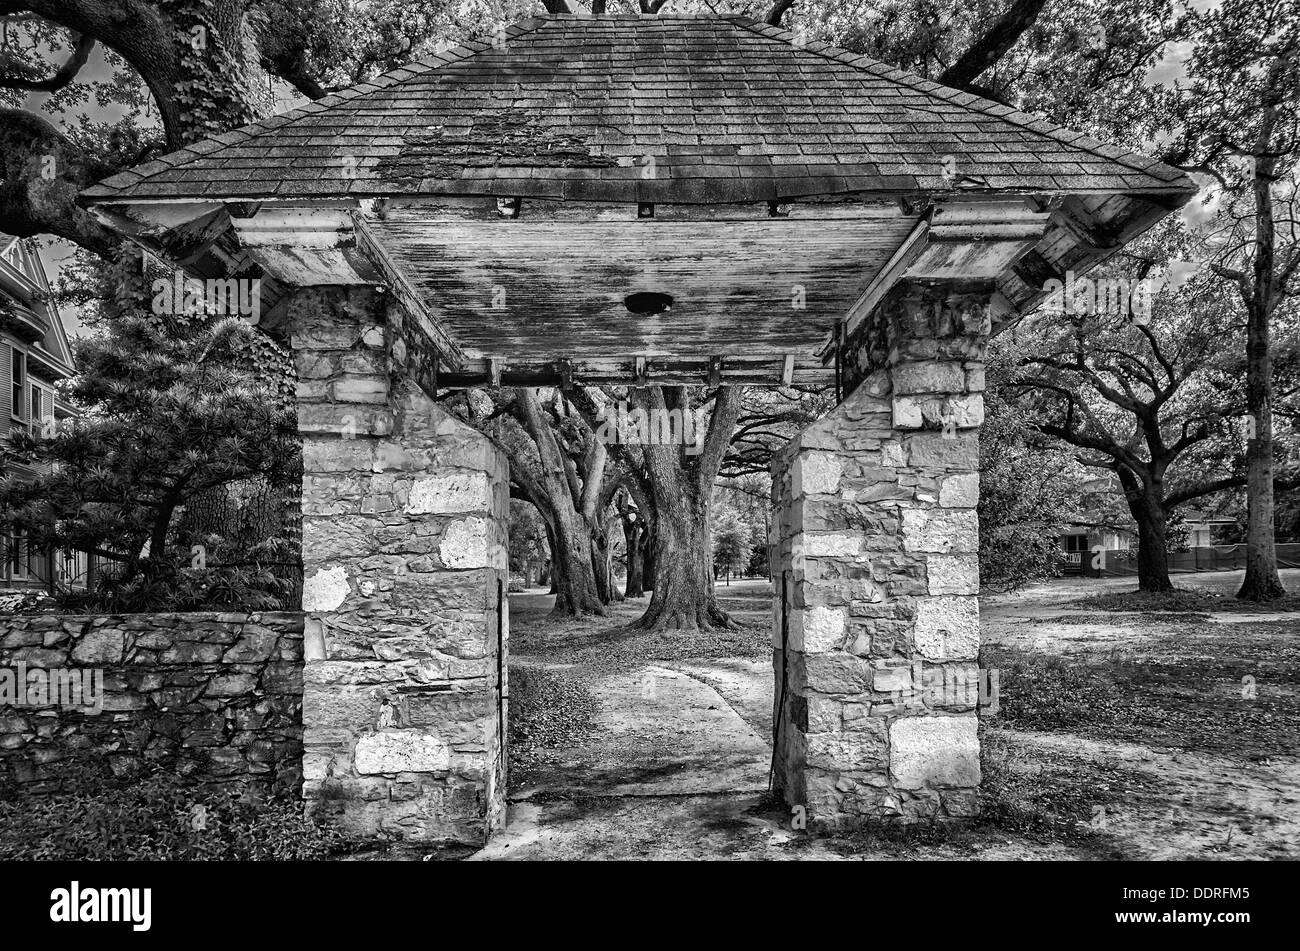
x=648, y=302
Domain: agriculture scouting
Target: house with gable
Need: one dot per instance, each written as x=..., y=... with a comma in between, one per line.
x=34, y=356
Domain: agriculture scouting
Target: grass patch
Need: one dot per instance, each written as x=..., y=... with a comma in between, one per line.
x=548, y=711
x=1055, y=798
x=1190, y=689
x=160, y=818
x=1185, y=600
x=1054, y=801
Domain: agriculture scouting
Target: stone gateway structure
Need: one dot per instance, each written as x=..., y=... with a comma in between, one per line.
x=640, y=200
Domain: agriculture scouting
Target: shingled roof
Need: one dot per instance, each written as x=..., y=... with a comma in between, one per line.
x=576, y=107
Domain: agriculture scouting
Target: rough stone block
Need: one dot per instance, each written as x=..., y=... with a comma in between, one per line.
x=836, y=673
x=821, y=629
x=934, y=451
x=960, y=491
x=934, y=751
x=892, y=679
x=99, y=646
x=947, y=628
x=827, y=544
x=401, y=751
x=466, y=544
x=452, y=492
x=964, y=412
x=326, y=589
x=849, y=751
x=356, y=388
x=952, y=574
x=929, y=377
x=940, y=531
x=816, y=473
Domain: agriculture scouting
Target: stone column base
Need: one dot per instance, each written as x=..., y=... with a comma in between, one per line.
x=875, y=567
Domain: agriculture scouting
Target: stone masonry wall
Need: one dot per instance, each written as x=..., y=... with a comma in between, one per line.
x=404, y=558
x=875, y=572
x=212, y=696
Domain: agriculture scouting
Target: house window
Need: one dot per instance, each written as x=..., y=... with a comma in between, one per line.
x=19, y=373
x=34, y=417
x=1075, y=546
x=18, y=554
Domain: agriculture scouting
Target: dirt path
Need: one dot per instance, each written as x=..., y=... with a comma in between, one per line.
x=656, y=732
x=666, y=767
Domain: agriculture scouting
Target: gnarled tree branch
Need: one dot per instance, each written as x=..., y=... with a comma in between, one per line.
x=82, y=46
x=993, y=44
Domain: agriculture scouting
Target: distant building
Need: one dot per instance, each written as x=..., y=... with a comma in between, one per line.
x=1082, y=541
x=34, y=356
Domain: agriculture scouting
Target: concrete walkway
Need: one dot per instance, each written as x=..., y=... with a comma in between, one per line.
x=666, y=749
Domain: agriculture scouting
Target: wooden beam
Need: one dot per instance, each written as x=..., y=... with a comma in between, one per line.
x=296, y=227
x=905, y=255
x=960, y=241
x=313, y=267
x=975, y=241
x=448, y=349
x=761, y=370
x=484, y=208
x=1089, y=236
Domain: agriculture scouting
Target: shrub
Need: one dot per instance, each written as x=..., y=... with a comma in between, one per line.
x=160, y=817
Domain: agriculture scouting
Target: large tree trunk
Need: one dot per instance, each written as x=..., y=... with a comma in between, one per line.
x=634, y=539
x=575, y=579
x=681, y=487
x=648, y=562
x=683, y=595
x=1153, y=550
x=551, y=571
x=602, y=559
x=1146, y=504
x=553, y=492
x=1261, y=582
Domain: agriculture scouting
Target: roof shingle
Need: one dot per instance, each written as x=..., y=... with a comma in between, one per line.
x=693, y=109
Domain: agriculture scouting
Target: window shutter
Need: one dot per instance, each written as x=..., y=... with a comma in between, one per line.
x=6, y=385
x=47, y=410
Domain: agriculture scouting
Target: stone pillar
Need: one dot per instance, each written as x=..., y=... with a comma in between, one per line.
x=875, y=557
x=404, y=559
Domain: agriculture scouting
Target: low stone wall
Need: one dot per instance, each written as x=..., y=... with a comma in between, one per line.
x=213, y=696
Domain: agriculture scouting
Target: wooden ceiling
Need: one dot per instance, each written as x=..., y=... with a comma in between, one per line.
x=534, y=292
x=549, y=286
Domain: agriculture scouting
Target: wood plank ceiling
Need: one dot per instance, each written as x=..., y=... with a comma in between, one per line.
x=748, y=289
